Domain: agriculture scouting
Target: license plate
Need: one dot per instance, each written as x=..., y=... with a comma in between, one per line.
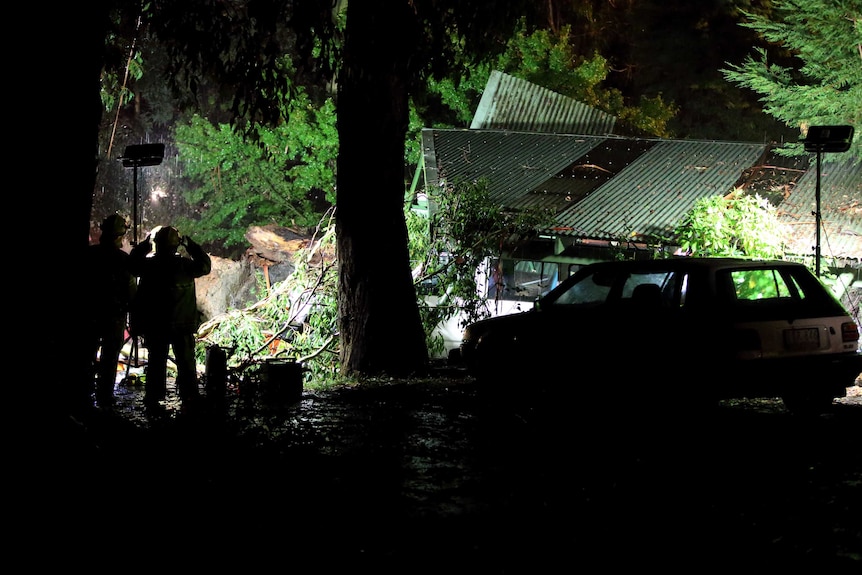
x=802, y=339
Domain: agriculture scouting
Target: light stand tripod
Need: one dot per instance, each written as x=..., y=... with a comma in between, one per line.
x=822, y=139
x=137, y=157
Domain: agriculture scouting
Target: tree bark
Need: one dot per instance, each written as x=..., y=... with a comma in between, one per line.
x=60, y=143
x=76, y=162
x=381, y=331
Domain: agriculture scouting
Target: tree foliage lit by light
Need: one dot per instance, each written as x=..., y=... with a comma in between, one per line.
x=825, y=36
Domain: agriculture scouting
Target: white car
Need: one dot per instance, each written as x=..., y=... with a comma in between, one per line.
x=697, y=328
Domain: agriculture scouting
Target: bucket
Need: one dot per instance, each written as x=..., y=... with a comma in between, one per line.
x=282, y=380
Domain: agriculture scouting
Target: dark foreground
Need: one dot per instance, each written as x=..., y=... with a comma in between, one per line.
x=431, y=476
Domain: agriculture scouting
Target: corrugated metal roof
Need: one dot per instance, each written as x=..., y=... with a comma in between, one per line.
x=580, y=178
x=515, y=163
x=650, y=196
x=539, y=149
x=600, y=187
x=613, y=188
x=510, y=103
x=840, y=211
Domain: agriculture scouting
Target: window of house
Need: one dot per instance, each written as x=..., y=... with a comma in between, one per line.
x=521, y=280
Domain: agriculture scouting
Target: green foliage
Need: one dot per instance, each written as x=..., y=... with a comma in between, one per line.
x=548, y=59
x=826, y=87
x=446, y=249
x=418, y=235
x=736, y=225
x=462, y=94
x=465, y=227
x=271, y=180
x=115, y=87
x=124, y=63
x=297, y=318
x=650, y=116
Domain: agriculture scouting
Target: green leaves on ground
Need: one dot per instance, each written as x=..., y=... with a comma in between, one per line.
x=297, y=319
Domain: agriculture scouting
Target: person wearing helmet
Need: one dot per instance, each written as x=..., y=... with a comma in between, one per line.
x=110, y=290
x=165, y=312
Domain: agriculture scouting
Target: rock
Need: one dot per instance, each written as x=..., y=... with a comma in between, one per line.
x=274, y=244
x=238, y=284
x=230, y=285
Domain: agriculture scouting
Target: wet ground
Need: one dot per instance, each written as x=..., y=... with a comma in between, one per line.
x=424, y=476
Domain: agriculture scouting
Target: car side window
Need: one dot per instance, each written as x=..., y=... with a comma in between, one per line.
x=663, y=288
x=591, y=290
x=638, y=279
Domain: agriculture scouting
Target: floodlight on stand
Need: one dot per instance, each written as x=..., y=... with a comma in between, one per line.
x=825, y=139
x=143, y=155
x=136, y=157
x=828, y=138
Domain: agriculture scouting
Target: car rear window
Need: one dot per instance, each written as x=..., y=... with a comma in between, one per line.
x=766, y=293
x=764, y=284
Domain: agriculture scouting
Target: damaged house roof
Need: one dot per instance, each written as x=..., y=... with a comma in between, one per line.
x=510, y=103
x=606, y=187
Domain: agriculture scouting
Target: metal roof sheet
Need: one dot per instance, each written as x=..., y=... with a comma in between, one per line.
x=611, y=188
x=840, y=211
x=510, y=103
x=646, y=199
x=600, y=187
x=540, y=149
x=514, y=163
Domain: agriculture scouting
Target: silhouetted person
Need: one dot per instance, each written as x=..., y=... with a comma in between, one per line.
x=165, y=311
x=111, y=287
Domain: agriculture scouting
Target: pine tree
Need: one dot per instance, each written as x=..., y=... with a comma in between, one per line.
x=825, y=88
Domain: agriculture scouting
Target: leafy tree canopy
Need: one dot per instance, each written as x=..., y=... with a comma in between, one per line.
x=736, y=225
x=285, y=177
x=227, y=170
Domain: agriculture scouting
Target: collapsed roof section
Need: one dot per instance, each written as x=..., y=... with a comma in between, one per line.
x=510, y=103
x=602, y=187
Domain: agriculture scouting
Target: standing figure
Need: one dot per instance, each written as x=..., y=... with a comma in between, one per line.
x=165, y=311
x=111, y=287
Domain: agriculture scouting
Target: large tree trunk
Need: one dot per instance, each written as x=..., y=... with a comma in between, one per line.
x=381, y=331
x=71, y=150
